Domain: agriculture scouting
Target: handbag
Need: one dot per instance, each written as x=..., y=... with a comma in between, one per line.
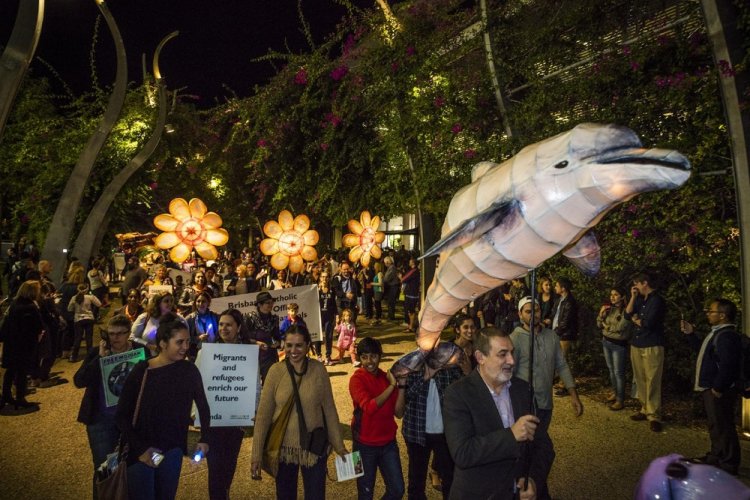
x=114, y=483
x=315, y=441
x=274, y=439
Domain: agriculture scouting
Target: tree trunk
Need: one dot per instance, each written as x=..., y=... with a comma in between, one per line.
x=18, y=54
x=61, y=229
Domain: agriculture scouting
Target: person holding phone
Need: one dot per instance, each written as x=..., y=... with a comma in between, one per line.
x=99, y=419
x=154, y=412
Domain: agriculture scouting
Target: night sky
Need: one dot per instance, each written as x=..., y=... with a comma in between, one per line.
x=217, y=41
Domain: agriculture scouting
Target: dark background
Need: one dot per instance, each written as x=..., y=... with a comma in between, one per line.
x=213, y=53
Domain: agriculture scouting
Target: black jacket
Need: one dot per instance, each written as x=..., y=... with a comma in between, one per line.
x=567, y=320
x=488, y=458
x=720, y=367
x=20, y=332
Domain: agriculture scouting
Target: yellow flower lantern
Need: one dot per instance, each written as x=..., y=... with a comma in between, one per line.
x=290, y=242
x=188, y=226
x=366, y=240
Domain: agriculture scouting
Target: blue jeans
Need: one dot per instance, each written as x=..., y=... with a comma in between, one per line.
x=615, y=355
x=387, y=459
x=103, y=437
x=148, y=483
x=313, y=480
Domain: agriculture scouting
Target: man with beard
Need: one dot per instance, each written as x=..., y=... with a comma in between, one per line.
x=487, y=424
x=346, y=289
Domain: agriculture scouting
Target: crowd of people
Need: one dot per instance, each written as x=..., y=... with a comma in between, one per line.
x=469, y=421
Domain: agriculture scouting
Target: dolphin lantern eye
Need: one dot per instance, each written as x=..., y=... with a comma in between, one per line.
x=562, y=164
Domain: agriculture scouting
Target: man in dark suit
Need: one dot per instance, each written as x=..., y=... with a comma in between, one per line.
x=717, y=372
x=487, y=426
x=346, y=289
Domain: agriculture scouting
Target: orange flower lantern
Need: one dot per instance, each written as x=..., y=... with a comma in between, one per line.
x=188, y=226
x=290, y=242
x=366, y=240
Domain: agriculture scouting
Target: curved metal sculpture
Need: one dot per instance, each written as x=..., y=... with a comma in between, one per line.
x=89, y=236
x=61, y=228
x=517, y=214
x=18, y=54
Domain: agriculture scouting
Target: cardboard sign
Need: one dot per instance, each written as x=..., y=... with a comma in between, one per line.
x=154, y=289
x=231, y=380
x=115, y=369
x=305, y=296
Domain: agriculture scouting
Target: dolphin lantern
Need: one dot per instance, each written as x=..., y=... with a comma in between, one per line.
x=519, y=213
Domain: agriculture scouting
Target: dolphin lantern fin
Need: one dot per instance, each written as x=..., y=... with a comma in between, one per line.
x=470, y=229
x=585, y=254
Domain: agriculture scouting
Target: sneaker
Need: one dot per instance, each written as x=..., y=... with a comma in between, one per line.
x=612, y=398
x=616, y=406
x=638, y=417
x=655, y=426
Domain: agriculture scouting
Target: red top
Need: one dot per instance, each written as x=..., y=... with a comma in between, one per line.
x=378, y=425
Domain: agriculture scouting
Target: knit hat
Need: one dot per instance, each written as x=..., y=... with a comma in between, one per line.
x=525, y=301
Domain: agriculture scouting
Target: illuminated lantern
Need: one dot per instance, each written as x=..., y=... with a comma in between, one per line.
x=365, y=240
x=290, y=242
x=188, y=226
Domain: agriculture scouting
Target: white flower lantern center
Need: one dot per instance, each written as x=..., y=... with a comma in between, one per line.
x=291, y=243
x=367, y=239
x=191, y=231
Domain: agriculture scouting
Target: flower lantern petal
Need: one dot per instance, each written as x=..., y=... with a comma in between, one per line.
x=364, y=218
x=375, y=222
x=376, y=252
x=355, y=254
x=365, y=259
x=279, y=261
x=197, y=208
x=272, y=229
x=167, y=240
x=350, y=240
x=379, y=237
x=296, y=264
x=355, y=227
x=211, y=220
x=180, y=253
x=269, y=246
x=218, y=237
x=179, y=209
x=166, y=222
x=311, y=237
x=301, y=223
x=309, y=253
x=286, y=220
x=207, y=251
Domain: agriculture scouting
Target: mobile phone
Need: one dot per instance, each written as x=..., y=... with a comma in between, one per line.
x=105, y=337
x=156, y=458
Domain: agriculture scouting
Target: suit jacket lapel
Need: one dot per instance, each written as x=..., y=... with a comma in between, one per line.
x=484, y=399
x=519, y=398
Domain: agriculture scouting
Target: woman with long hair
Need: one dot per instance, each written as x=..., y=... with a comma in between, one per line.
x=21, y=332
x=153, y=414
x=146, y=325
x=132, y=308
x=203, y=323
x=318, y=414
x=465, y=328
x=328, y=313
x=263, y=327
x=84, y=315
x=616, y=331
x=546, y=296
x=225, y=442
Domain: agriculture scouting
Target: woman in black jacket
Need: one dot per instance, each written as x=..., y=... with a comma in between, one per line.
x=22, y=331
x=99, y=418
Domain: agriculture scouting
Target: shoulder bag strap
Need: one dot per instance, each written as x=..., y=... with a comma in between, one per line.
x=298, y=402
x=140, y=396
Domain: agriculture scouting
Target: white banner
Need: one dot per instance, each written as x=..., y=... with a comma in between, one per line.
x=231, y=381
x=305, y=296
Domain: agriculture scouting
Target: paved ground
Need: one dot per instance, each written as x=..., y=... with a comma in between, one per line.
x=599, y=455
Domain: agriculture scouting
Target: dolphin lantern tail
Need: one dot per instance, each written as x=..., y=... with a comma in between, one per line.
x=517, y=214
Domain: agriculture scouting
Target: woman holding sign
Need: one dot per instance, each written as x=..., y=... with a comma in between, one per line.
x=95, y=413
x=299, y=383
x=225, y=442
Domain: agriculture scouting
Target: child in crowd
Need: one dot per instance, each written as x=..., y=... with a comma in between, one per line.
x=347, y=331
x=292, y=318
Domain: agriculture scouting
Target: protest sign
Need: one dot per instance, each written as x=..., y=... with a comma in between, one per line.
x=305, y=296
x=231, y=381
x=154, y=289
x=115, y=370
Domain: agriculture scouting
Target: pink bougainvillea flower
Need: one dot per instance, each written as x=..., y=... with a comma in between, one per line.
x=262, y=143
x=470, y=153
x=290, y=242
x=188, y=226
x=300, y=78
x=365, y=240
x=456, y=128
x=339, y=72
